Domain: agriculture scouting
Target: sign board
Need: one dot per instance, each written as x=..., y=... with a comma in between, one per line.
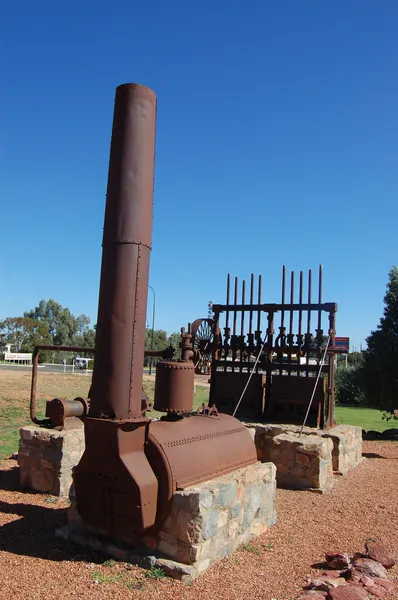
x=342, y=343
x=17, y=356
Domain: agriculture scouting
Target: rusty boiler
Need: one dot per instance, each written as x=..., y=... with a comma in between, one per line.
x=132, y=465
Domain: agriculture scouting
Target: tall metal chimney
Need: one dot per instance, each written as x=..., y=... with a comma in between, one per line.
x=120, y=339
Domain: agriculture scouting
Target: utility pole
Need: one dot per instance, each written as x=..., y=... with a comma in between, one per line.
x=153, y=327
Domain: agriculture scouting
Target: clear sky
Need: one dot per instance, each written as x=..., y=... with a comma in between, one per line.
x=277, y=143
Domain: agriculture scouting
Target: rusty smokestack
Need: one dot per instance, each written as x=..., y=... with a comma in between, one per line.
x=132, y=466
x=120, y=339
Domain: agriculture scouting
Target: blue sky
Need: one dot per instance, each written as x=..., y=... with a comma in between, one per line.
x=276, y=144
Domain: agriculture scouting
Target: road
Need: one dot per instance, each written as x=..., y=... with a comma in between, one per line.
x=50, y=368
x=47, y=368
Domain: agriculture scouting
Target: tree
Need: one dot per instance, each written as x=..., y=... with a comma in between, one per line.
x=64, y=328
x=24, y=333
x=354, y=358
x=175, y=341
x=161, y=341
x=380, y=360
x=349, y=386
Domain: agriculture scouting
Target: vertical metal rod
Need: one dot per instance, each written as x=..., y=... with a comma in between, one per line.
x=228, y=292
x=251, y=302
x=235, y=302
x=300, y=319
x=320, y=297
x=281, y=332
x=259, y=302
x=315, y=386
x=153, y=327
x=291, y=320
x=331, y=391
x=234, y=325
x=309, y=319
x=242, y=323
x=227, y=340
x=309, y=301
x=260, y=282
x=291, y=302
x=283, y=294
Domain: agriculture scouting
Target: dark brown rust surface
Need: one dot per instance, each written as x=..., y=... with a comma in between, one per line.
x=194, y=449
x=116, y=489
x=174, y=386
x=58, y=410
x=199, y=448
x=288, y=401
x=119, y=349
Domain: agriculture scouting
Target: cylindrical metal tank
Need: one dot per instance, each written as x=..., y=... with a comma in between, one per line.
x=174, y=386
x=193, y=449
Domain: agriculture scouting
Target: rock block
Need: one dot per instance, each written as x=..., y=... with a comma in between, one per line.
x=347, y=447
x=46, y=458
x=303, y=462
x=378, y=551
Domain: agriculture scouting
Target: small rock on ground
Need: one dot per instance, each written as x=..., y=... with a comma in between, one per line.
x=378, y=551
x=337, y=560
x=369, y=567
x=349, y=593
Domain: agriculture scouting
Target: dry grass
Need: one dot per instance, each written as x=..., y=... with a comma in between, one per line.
x=15, y=395
x=14, y=400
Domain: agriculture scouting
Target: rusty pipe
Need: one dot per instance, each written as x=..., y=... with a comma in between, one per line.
x=119, y=347
x=35, y=364
x=33, y=404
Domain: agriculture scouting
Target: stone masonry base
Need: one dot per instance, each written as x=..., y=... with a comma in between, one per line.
x=309, y=461
x=46, y=458
x=206, y=522
x=347, y=447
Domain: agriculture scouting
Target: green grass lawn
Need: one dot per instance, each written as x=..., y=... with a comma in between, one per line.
x=367, y=418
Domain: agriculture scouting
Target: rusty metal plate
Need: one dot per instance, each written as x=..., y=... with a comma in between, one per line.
x=199, y=448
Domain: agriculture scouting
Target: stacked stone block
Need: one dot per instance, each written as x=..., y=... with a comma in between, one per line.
x=303, y=462
x=347, y=447
x=46, y=458
x=209, y=521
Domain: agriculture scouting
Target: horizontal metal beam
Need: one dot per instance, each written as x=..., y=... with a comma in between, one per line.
x=81, y=349
x=274, y=308
x=266, y=366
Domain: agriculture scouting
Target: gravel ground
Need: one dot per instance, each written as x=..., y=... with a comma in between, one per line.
x=34, y=565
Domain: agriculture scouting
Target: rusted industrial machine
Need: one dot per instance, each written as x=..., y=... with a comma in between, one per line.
x=131, y=465
x=260, y=375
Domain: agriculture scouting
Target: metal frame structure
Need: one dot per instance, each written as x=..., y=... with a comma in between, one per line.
x=273, y=339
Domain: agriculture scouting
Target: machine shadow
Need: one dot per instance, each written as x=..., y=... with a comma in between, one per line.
x=34, y=534
x=320, y=566
x=9, y=479
x=372, y=455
